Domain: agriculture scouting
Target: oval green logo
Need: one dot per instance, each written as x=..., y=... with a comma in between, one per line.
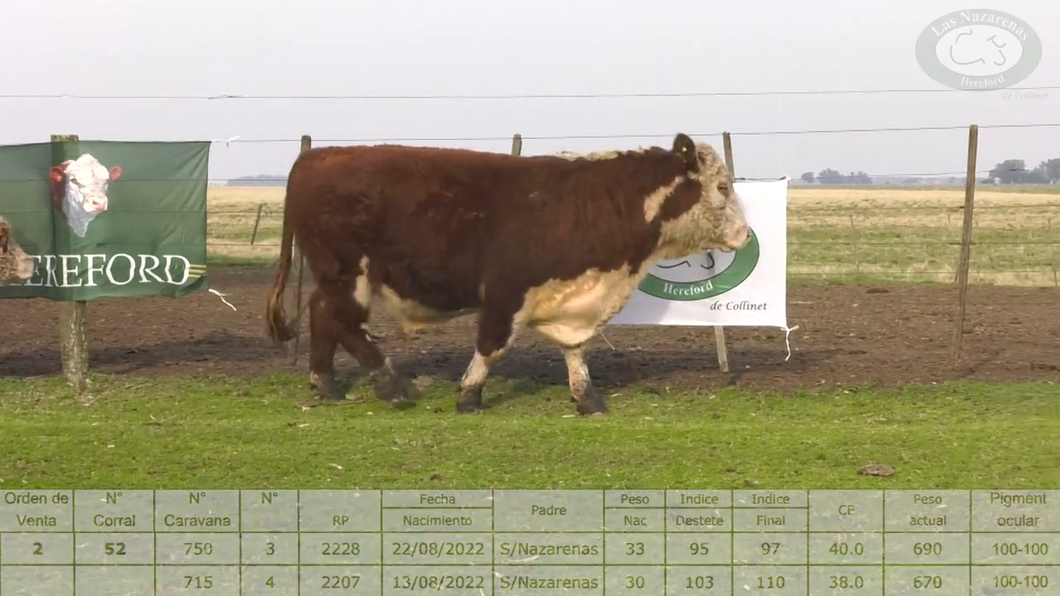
x=702, y=276
x=978, y=49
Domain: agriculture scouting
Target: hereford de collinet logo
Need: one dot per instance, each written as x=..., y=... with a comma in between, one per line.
x=701, y=276
x=79, y=190
x=978, y=49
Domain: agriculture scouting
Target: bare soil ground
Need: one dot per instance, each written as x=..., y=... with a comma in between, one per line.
x=848, y=335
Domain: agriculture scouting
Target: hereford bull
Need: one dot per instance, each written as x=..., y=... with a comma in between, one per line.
x=554, y=243
x=15, y=265
x=79, y=190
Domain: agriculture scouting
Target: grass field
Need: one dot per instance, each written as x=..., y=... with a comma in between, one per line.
x=232, y=434
x=835, y=234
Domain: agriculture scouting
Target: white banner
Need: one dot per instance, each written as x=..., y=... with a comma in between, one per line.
x=743, y=288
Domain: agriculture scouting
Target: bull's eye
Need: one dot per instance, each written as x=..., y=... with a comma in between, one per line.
x=723, y=187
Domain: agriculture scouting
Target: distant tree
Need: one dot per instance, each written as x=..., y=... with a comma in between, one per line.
x=830, y=176
x=1051, y=170
x=1009, y=171
x=808, y=177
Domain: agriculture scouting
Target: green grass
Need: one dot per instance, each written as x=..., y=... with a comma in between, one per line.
x=218, y=433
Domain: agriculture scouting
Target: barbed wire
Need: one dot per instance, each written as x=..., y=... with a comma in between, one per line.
x=514, y=96
x=525, y=137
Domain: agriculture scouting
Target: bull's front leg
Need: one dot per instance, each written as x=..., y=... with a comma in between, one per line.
x=589, y=400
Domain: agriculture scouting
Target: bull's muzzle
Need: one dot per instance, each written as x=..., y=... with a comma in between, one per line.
x=736, y=239
x=24, y=268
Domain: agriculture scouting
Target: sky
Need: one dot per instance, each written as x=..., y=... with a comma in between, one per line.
x=210, y=48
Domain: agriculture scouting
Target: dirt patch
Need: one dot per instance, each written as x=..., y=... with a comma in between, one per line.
x=848, y=335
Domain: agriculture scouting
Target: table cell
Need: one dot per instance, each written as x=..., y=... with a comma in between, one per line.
x=939, y=580
x=268, y=511
x=769, y=520
x=927, y=549
x=763, y=580
x=37, y=511
x=548, y=511
x=927, y=510
x=342, y=579
x=1016, y=581
x=269, y=549
x=36, y=581
x=115, y=580
x=637, y=580
x=452, y=499
x=846, y=511
x=1015, y=511
x=699, y=520
x=197, y=511
x=699, y=580
x=634, y=520
x=699, y=549
x=769, y=498
x=699, y=499
x=769, y=548
x=1016, y=549
x=843, y=548
x=271, y=580
x=114, y=510
x=340, y=510
x=636, y=549
x=114, y=549
x=197, y=549
x=548, y=549
x=547, y=580
x=437, y=520
x=326, y=548
x=441, y=549
x=196, y=579
x=37, y=549
x=846, y=580
x=637, y=499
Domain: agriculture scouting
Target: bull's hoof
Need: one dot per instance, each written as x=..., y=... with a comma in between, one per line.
x=326, y=387
x=591, y=403
x=392, y=388
x=470, y=401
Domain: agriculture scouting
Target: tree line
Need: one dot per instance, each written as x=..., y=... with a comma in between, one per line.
x=1010, y=171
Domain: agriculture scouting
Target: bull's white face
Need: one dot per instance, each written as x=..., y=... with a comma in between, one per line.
x=85, y=190
x=15, y=265
x=716, y=221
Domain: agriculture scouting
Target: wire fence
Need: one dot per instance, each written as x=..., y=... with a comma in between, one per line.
x=836, y=232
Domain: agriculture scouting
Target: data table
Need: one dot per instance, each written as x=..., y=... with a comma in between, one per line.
x=571, y=542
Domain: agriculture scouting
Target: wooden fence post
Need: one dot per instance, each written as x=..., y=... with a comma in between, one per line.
x=73, y=340
x=719, y=331
x=517, y=144
x=307, y=144
x=966, y=242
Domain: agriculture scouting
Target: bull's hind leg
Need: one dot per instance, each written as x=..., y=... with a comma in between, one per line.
x=589, y=400
x=323, y=341
x=496, y=333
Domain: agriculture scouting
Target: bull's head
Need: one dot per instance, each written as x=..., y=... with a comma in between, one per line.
x=79, y=190
x=704, y=212
x=15, y=265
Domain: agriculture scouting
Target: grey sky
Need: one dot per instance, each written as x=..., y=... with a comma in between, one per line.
x=480, y=47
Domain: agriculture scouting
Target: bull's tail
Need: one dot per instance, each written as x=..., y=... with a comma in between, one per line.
x=279, y=328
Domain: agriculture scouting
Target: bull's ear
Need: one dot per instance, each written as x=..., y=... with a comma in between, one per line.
x=57, y=173
x=115, y=172
x=686, y=148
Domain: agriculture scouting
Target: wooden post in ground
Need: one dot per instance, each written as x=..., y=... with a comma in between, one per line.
x=73, y=316
x=517, y=144
x=719, y=331
x=966, y=242
x=307, y=144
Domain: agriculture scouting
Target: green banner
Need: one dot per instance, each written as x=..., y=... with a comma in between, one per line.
x=107, y=218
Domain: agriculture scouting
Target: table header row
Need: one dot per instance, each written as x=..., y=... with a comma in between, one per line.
x=527, y=511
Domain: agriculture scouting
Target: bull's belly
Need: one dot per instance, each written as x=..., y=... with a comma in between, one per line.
x=412, y=316
x=571, y=312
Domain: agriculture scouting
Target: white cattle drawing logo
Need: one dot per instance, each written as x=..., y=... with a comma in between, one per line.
x=79, y=190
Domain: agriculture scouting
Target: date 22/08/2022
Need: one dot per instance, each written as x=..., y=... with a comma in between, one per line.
x=95, y=543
